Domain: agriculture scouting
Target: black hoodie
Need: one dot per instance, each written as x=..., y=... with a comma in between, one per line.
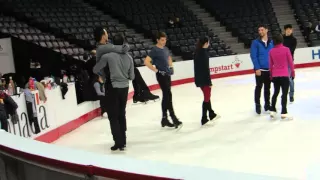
x=290, y=42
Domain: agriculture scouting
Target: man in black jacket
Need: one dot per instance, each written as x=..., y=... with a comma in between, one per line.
x=291, y=42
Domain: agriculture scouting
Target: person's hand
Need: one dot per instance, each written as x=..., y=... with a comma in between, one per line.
x=171, y=70
x=1, y=101
x=258, y=72
x=293, y=75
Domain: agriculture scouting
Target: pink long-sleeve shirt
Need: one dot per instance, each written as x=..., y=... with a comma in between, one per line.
x=280, y=60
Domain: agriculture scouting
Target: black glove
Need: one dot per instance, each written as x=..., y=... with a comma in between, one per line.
x=171, y=70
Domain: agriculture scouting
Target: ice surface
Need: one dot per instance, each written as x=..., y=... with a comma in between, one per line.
x=240, y=141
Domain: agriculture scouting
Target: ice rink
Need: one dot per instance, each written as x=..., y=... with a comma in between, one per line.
x=239, y=141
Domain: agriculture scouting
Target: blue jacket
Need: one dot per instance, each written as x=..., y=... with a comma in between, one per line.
x=259, y=54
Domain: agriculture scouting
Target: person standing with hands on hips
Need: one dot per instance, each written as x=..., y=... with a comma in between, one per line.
x=160, y=57
x=281, y=64
x=291, y=42
x=259, y=53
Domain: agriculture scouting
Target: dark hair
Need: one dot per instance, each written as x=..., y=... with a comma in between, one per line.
x=161, y=35
x=98, y=33
x=287, y=26
x=263, y=26
x=118, y=39
x=201, y=41
x=277, y=39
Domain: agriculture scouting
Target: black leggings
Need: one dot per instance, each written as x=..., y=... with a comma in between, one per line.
x=263, y=80
x=165, y=85
x=283, y=83
x=117, y=114
x=138, y=83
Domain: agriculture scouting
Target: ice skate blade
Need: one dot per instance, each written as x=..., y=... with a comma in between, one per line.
x=118, y=151
x=179, y=127
x=139, y=102
x=216, y=118
x=286, y=118
x=273, y=118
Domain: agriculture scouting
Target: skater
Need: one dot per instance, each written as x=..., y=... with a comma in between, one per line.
x=141, y=90
x=202, y=78
x=281, y=64
x=100, y=91
x=121, y=70
x=259, y=53
x=160, y=57
x=291, y=42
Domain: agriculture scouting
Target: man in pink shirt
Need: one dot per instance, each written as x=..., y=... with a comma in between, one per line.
x=280, y=61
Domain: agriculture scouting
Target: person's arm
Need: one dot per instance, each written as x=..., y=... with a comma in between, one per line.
x=97, y=69
x=270, y=64
x=131, y=70
x=98, y=89
x=294, y=46
x=148, y=63
x=108, y=48
x=290, y=62
x=170, y=61
x=254, y=55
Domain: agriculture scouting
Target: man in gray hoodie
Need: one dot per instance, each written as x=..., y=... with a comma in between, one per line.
x=121, y=69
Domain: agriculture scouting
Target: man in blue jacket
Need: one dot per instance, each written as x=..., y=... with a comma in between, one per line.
x=259, y=54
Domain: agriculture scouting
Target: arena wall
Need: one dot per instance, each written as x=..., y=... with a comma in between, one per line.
x=59, y=116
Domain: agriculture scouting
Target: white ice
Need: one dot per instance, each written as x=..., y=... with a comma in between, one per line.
x=240, y=141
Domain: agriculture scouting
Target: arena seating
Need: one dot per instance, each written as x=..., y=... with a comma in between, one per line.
x=9, y=25
x=73, y=20
x=242, y=17
x=150, y=17
x=306, y=12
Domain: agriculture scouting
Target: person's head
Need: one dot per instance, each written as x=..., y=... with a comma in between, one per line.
x=263, y=30
x=101, y=35
x=288, y=29
x=177, y=19
x=161, y=39
x=277, y=39
x=97, y=78
x=118, y=39
x=203, y=42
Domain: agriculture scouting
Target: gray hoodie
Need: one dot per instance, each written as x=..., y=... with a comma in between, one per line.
x=121, y=68
x=103, y=49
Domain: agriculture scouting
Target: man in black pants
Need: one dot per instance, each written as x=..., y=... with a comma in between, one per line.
x=121, y=70
x=160, y=57
x=259, y=53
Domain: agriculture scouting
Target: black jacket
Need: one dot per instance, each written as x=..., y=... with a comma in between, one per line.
x=290, y=42
x=3, y=114
x=10, y=105
x=201, y=68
